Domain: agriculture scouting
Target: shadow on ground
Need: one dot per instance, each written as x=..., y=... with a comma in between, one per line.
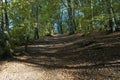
x=75, y=52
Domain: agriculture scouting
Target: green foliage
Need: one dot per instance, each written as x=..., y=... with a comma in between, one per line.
x=79, y=15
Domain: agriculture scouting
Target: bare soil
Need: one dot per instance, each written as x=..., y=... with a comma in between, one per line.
x=66, y=57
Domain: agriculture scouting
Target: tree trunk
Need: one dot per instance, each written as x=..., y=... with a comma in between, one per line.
x=70, y=17
x=4, y=27
x=60, y=23
x=112, y=20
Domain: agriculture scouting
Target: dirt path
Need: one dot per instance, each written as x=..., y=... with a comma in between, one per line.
x=25, y=71
x=94, y=57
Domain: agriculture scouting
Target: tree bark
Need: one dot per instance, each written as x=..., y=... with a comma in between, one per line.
x=70, y=17
x=5, y=27
x=112, y=19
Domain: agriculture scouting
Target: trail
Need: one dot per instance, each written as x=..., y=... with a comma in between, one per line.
x=67, y=57
x=22, y=71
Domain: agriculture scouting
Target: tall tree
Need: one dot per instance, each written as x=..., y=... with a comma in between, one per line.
x=5, y=32
x=71, y=12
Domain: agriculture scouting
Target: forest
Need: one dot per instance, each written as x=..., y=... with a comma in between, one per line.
x=59, y=39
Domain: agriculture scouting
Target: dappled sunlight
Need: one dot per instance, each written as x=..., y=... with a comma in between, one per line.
x=84, y=57
x=59, y=40
x=25, y=71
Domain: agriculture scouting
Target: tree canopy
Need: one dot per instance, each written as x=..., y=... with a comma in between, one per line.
x=18, y=18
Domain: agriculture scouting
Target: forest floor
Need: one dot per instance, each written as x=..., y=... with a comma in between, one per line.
x=67, y=57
